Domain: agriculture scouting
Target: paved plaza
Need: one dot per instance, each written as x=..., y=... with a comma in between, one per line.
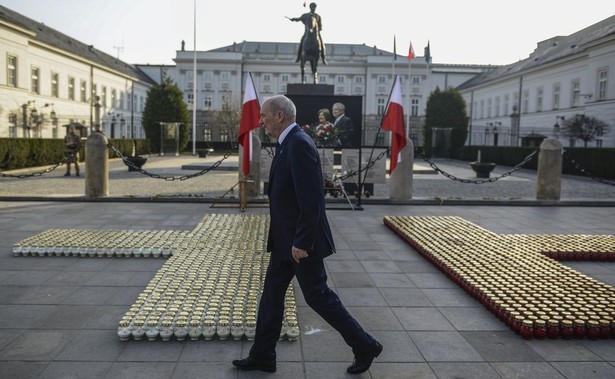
x=59, y=315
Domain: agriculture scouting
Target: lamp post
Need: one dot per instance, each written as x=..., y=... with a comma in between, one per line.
x=556, y=126
x=495, y=133
x=122, y=124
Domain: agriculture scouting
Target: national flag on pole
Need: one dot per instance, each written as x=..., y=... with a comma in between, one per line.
x=250, y=116
x=394, y=48
x=411, y=52
x=394, y=121
x=427, y=53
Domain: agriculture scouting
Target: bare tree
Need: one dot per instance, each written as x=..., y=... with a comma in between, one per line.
x=225, y=123
x=585, y=128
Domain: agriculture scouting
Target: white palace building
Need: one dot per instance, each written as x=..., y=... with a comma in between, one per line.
x=50, y=80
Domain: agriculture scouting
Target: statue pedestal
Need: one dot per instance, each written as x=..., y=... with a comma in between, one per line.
x=310, y=89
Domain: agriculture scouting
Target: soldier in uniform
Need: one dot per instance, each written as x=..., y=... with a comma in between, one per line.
x=72, y=144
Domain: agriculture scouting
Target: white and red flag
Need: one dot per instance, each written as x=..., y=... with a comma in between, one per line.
x=250, y=116
x=411, y=52
x=394, y=121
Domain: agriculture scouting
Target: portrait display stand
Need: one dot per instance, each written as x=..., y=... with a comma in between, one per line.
x=169, y=138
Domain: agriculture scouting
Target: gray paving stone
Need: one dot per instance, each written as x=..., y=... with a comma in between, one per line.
x=472, y=319
x=43, y=295
x=449, y=297
x=68, y=317
x=76, y=370
x=361, y=297
x=344, y=266
x=501, y=347
x=103, y=317
x=384, y=280
x=212, y=351
x=397, y=347
x=325, y=346
x=455, y=370
x=436, y=280
x=141, y=370
x=8, y=335
x=351, y=279
x=21, y=369
x=401, y=371
x=445, y=347
x=209, y=370
x=37, y=345
x=582, y=370
x=510, y=370
x=341, y=255
x=323, y=370
x=92, y=295
x=149, y=351
x=603, y=348
x=22, y=316
x=562, y=350
x=94, y=345
x=376, y=318
x=380, y=267
x=405, y=297
x=417, y=266
x=421, y=318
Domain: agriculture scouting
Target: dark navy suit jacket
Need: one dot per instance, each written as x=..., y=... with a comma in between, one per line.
x=296, y=200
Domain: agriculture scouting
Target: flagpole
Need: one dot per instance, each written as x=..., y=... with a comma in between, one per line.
x=371, y=154
x=194, y=87
x=394, y=56
x=409, y=100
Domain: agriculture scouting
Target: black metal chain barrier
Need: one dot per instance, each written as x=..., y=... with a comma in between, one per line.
x=481, y=181
x=583, y=171
x=168, y=178
x=370, y=164
x=46, y=171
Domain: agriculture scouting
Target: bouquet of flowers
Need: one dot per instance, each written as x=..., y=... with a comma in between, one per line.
x=323, y=134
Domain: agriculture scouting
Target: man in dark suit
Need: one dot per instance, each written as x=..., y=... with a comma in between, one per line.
x=344, y=124
x=299, y=239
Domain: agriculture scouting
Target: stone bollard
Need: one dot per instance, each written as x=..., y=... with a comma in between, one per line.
x=96, y=166
x=549, y=173
x=253, y=180
x=400, y=182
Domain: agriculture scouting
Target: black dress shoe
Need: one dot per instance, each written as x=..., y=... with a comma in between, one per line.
x=249, y=363
x=362, y=362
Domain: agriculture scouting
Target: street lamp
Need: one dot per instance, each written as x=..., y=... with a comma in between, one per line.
x=556, y=126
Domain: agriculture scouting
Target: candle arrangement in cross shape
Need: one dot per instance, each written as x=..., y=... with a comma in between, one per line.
x=209, y=287
x=517, y=276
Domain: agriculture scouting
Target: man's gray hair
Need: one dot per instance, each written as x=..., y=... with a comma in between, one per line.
x=281, y=103
x=340, y=106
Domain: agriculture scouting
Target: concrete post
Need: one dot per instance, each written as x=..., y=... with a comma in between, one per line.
x=400, y=182
x=96, y=166
x=549, y=175
x=253, y=180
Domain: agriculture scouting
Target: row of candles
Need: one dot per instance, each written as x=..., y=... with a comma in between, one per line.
x=535, y=295
x=209, y=287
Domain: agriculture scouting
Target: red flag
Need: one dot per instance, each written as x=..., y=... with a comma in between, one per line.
x=394, y=121
x=411, y=52
x=250, y=117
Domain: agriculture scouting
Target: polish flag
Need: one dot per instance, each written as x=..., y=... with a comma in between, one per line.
x=411, y=52
x=250, y=117
x=394, y=121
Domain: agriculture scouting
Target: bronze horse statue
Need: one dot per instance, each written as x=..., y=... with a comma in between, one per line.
x=310, y=50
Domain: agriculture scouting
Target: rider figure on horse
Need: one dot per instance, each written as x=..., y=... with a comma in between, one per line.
x=308, y=20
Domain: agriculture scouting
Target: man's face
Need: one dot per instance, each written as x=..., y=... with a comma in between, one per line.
x=337, y=111
x=267, y=120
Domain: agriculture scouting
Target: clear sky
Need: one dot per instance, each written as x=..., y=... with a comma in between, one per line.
x=461, y=32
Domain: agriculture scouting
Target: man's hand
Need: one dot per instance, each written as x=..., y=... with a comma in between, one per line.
x=298, y=254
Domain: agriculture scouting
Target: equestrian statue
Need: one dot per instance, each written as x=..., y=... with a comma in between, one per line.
x=311, y=47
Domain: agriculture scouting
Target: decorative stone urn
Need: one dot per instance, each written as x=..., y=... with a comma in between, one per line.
x=482, y=169
x=137, y=161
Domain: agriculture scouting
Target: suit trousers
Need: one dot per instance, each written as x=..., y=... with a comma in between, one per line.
x=312, y=279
